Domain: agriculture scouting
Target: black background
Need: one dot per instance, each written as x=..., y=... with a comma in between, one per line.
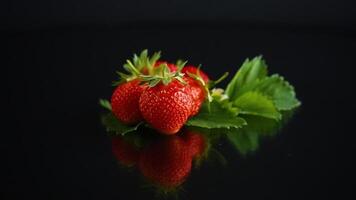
x=60, y=57
x=21, y=14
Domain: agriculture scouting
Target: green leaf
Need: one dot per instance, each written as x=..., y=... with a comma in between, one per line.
x=218, y=117
x=249, y=72
x=254, y=103
x=219, y=96
x=215, y=121
x=114, y=125
x=281, y=92
x=105, y=104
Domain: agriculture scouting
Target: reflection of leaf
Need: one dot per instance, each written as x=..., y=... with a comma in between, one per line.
x=247, y=138
x=263, y=126
x=254, y=103
x=114, y=125
x=216, y=155
x=244, y=141
x=218, y=117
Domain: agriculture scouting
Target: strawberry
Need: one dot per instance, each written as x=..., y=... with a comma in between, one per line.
x=195, y=142
x=125, y=102
x=198, y=91
x=166, y=107
x=124, y=152
x=198, y=95
x=166, y=162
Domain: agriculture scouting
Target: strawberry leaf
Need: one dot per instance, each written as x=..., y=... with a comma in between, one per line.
x=249, y=72
x=254, y=103
x=281, y=92
x=252, y=77
x=219, y=117
x=114, y=125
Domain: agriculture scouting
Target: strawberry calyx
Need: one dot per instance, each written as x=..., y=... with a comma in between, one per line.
x=132, y=74
x=162, y=74
x=144, y=61
x=135, y=66
x=181, y=63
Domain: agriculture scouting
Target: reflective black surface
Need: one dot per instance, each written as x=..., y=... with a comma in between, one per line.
x=166, y=162
x=56, y=148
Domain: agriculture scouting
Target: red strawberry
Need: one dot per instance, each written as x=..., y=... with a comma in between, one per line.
x=167, y=107
x=125, y=102
x=166, y=162
x=196, y=143
x=198, y=91
x=124, y=152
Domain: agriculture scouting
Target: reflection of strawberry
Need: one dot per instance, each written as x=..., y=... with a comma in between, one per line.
x=166, y=162
x=196, y=143
x=124, y=152
x=198, y=91
x=125, y=102
x=167, y=107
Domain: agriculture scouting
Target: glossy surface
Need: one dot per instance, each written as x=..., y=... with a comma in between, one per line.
x=56, y=148
x=165, y=162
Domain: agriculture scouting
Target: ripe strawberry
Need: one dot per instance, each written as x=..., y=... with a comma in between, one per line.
x=196, y=143
x=198, y=91
x=166, y=162
x=125, y=102
x=124, y=152
x=166, y=107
